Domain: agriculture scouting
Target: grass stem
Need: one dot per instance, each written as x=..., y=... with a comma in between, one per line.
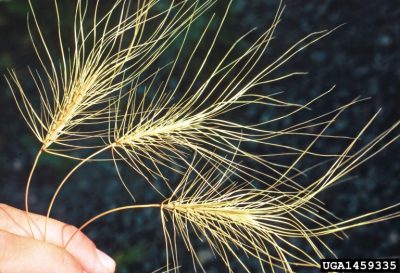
x=105, y=213
x=28, y=184
x=64, y=181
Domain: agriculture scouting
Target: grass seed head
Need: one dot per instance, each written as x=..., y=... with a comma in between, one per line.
x=239, y=221
x=162, y=125
x=108, y=52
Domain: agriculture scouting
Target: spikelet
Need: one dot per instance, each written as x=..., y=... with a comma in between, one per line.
x=168, y=124
x=108, y=52
x=239, y=221
x=270, y=226
x=162, y=125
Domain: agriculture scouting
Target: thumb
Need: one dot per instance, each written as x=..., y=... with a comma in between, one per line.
x=20, y=254
x=82, y=249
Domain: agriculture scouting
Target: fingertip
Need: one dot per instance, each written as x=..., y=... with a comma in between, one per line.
x=107, y=262
x=80, y=248
x=84, y=250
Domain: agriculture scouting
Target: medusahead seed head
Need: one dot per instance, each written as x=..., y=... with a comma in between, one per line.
x=108, y=53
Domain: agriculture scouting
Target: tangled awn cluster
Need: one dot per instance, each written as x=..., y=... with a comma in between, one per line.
x=104, y=95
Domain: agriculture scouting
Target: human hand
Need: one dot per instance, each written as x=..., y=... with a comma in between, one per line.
x=19, y=252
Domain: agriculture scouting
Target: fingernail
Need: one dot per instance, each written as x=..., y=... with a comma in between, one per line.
x=106, y=260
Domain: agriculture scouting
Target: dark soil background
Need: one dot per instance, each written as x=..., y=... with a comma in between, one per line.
x=362, y=58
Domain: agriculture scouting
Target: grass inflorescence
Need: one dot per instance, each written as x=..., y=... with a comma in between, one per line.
x=102, y=94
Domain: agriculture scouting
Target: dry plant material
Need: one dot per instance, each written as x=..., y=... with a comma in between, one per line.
x=104, y=95
x=239, y=221
x=107, y=54
x=76, y=92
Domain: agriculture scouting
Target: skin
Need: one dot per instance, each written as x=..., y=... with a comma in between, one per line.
x=20, y=252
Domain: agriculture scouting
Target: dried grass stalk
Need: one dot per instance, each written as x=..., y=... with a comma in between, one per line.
x=99, y=83
x=239, y=221
x=76, y=92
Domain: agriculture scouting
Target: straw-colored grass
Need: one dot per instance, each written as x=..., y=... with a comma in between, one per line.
x=162, y=127
x=76, y=92
x=240, y=221
x=78, y=89
x=104, y=96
